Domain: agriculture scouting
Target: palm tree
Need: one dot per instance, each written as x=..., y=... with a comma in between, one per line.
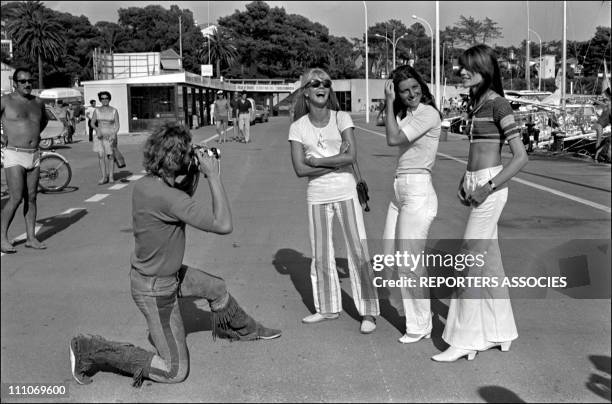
x=221, y=48
x=33, y=30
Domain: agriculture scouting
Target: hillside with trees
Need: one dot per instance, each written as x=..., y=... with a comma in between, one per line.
x=267, y=42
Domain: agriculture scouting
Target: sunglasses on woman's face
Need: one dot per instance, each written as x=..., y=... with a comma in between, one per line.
x=104, y=99
x=316, y=83
x=23, y=81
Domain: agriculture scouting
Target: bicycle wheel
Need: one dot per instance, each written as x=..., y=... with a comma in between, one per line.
x=55, y=173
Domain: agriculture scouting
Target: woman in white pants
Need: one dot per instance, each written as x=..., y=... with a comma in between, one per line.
x=323, y=149
x=412, y=124
x=480, y=318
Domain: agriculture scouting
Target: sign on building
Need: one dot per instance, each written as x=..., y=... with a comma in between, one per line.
x=207, y=70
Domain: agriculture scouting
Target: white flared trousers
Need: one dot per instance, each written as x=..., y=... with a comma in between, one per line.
x=409, y=218
x=473, y=323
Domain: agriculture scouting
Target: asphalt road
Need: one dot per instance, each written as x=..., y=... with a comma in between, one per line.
x=80, y=284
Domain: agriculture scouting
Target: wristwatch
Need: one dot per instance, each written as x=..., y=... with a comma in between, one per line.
x=492, y=184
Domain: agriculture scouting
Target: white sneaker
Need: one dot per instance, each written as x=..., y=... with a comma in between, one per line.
x=318, y=317
x=367, y=326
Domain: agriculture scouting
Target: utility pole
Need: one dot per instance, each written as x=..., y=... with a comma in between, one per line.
x=527, y=64
x=181, y=39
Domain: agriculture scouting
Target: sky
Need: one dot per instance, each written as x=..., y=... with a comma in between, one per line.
x=347, y=19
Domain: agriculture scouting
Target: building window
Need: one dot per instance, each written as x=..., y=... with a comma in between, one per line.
x=150, y=105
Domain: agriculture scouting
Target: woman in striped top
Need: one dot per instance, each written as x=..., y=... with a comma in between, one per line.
x=482, y=318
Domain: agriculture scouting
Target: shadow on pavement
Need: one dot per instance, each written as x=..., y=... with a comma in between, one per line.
x=597, y=383
x=293, y=263
x=54, y=224
x=497, y=394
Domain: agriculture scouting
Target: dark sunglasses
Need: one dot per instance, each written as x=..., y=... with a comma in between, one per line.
x=104, y=98
x=317, y=83
x=23, y=81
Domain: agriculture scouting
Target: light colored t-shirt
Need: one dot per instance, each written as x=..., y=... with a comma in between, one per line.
x=422, y=128
x=325, y=142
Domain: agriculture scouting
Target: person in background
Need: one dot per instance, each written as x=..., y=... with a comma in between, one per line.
x=323, y=149
x=244, y=117
x=106, y=121
x=88, y=115
x=222, y=110
x=602, y=122
x=481, y=318
x=234, y=111
x=412, y=125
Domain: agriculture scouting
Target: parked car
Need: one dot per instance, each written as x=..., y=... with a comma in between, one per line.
x=262, y=114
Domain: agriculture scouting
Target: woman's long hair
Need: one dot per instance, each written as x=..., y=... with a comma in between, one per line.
x=404, y=73
x=165, y=150
x=483, y=60
x=302, y=104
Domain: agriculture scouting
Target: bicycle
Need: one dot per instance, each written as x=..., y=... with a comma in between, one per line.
x=55, y=171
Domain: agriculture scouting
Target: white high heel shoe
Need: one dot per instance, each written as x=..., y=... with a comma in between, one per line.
x=503, y=346
x=453, y=353
x=410, y=338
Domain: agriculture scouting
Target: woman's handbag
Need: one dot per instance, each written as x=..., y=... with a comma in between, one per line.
x=118, y=157
x=362, y=188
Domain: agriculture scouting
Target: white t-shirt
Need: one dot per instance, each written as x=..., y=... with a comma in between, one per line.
x=422, y=128
x=325, y=142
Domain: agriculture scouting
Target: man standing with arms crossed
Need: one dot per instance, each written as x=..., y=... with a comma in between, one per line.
x=23, y=119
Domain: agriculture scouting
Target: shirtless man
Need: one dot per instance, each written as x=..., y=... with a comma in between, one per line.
x=23, y=119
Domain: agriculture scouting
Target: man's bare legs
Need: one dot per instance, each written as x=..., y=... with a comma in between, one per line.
x=15, y=181
x=29, y=209
x=21, y=185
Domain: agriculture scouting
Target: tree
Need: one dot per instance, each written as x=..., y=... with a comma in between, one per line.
x=490, y=30
x=222, y=50
x=469, y=30
x=35, y=33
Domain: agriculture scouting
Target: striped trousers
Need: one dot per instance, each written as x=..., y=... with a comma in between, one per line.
x=157, y=299
x=323, y=274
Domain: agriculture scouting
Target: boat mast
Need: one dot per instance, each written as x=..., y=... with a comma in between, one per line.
x=563, y=66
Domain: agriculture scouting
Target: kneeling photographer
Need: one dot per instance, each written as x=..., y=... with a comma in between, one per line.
x=162, y=203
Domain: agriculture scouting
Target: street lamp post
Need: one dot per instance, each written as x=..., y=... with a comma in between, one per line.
x=540, y=69
x=367, y=112
x=393, y=42
x=422, y=20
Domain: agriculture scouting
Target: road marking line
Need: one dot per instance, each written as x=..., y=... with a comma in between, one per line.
x=524, y=182
x=68, y=211
x=97, y=198
x=24, y=235
x=118, y=186
x=134, y=177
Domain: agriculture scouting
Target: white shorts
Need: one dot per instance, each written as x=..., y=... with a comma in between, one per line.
x=26, y=158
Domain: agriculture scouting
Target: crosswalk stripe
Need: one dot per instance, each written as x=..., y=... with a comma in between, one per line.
x=97, y=198
x=134, y=177
x=118, y=186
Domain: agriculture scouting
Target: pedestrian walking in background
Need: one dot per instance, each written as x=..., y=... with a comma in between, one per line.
x=106, y=121
x=234, y=111
x=244, y=117
x=481, y=318
x=222, y=110
x=23, y=119
x=88, y=119
x=412, y=124
x=323, y=148
x=160, y=210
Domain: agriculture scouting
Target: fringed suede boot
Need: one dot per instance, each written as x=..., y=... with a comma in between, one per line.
x=234, y=323
x=91, y=353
